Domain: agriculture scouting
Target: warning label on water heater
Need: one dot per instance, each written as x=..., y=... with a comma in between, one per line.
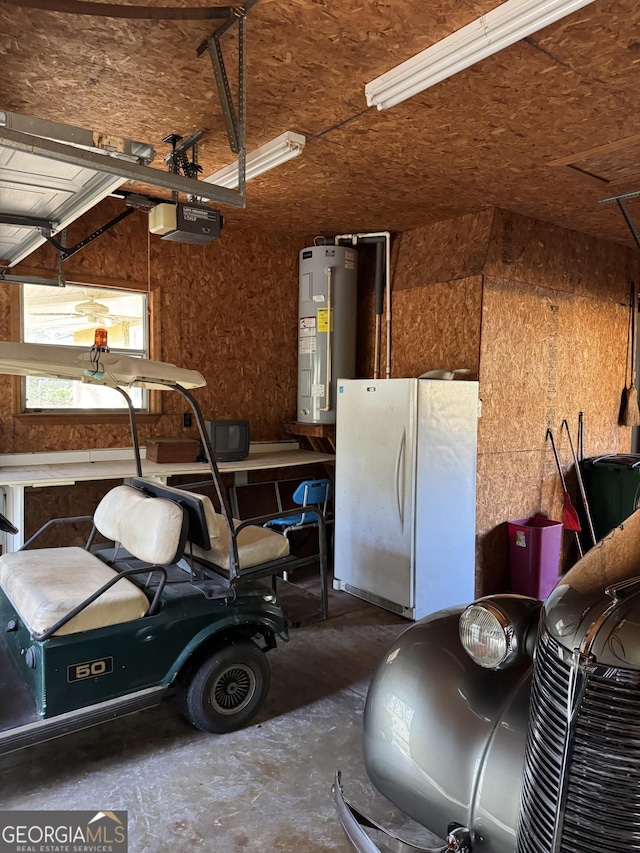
x=323, y=319
x=307, y=335
x=317, y=390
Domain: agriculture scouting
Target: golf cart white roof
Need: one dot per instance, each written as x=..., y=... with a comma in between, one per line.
x=96, y=368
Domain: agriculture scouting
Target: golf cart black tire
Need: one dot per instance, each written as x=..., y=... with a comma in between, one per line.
x=206, y=705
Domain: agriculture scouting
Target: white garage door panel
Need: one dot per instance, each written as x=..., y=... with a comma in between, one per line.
x=9, y=236
x=42, y=188
x=24, y=200
x=59, y=197
x=53, y=173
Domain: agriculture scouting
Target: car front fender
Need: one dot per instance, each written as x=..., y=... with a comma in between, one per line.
x=444, y=739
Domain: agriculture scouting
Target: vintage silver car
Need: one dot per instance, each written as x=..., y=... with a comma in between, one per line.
x=514, y=724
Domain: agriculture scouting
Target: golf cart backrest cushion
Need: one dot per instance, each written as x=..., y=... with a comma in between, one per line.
x=151, y=529
x=203, y=519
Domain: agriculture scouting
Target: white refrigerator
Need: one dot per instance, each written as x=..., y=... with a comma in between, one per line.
x=405, y=492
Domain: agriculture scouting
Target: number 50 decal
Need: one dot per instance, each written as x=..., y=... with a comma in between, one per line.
x=89, y=669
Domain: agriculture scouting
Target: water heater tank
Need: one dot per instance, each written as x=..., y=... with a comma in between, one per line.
x=327, y=308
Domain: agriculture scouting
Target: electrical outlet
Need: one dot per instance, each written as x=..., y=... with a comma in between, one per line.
x=186, y=419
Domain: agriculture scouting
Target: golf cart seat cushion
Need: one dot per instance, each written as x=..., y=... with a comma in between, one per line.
x=206, y=520
x=46, y=584
x=255, y=546
x=152, y=529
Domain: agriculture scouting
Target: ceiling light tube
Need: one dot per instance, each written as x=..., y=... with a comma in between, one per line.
x=488, y=34
x=268, y=156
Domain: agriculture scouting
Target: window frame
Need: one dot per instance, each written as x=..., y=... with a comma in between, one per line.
x=89, y=416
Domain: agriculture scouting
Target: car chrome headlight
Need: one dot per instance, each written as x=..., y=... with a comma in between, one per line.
x=497, y=631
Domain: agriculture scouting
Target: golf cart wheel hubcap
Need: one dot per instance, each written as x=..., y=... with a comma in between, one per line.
x=233, y=689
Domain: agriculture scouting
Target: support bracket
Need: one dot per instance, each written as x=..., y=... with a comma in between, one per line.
x=183, y=157
x=26, y=222
x=235, y=116
x=64, y=253
x=621, y=200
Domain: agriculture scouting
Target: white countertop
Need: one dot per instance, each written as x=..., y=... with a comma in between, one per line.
x=67, y=473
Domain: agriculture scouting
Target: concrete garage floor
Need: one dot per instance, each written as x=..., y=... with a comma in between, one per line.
x=264, y=788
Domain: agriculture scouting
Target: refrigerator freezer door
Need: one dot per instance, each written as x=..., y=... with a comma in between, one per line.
x=374, y=495
x=447, y=425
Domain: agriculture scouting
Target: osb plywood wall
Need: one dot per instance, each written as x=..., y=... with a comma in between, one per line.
x=539, y=315
x=453, y=249
x=437, y=296
x=553, y=344
x=437, y=325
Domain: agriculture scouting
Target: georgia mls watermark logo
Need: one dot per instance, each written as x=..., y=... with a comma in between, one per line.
x=63, y=832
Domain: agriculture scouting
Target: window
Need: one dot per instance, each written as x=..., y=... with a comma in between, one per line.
x=69, y=316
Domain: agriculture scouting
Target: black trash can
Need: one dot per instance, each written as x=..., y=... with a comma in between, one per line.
x=612, y=484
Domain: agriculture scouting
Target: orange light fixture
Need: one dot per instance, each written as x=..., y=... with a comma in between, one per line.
x=100, y=339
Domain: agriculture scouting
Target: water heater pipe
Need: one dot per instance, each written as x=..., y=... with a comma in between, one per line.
x=378, y=307
x=327, y=387
x=370, y=237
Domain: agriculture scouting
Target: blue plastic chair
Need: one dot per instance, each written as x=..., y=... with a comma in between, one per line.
x=310, y=493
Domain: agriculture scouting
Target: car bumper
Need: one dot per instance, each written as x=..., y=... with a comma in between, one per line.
x=354, y=822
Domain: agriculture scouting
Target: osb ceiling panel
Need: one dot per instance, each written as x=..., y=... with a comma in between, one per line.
x=614, y=166
x=485, y=137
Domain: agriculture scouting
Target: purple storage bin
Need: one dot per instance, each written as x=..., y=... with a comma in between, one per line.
x=534, y=555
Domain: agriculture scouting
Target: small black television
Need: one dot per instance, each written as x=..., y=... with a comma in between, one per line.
x=229, y=439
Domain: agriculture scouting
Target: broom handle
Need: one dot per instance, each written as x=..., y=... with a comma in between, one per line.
x=555, y=453
x=633, y=333
x=583, y=494
x=549, y=436
x=629, y=359
x=581, y=435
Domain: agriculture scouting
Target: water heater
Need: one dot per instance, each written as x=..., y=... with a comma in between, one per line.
x=327, y=308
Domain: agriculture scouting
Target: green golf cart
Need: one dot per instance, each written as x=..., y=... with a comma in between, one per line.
x=179, y=599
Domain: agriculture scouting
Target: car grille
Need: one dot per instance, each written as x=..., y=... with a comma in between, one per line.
x=602, y=806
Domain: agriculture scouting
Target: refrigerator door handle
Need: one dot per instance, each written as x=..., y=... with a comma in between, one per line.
x=400, y=478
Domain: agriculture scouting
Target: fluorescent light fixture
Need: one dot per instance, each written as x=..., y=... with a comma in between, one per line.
x=268, y=156
x=488, y=34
